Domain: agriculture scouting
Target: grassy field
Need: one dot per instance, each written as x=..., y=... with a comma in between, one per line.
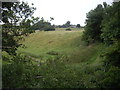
x=48, y=45
x=73, y=29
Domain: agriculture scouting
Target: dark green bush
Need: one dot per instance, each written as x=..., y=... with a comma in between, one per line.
x=68, y=29
x=19, y=73
x=49, y=28
x=112, y=78
x=111, y=24
x=112, y=54
x=23, y=73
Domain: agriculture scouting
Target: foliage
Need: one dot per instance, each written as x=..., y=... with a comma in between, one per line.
x=68, y=29
x=109, y=32
x=112, y=54
x=111, y=24
x=78, y=25
x=16, y=23
x=93, y=25
x=66, y=25
x=19, y=72
x=23, y=73
x=112, y=78
x=43, y=25
x=49, y=28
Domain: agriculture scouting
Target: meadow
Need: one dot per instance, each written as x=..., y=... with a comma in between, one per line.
x=48, y=45
x=60, y=59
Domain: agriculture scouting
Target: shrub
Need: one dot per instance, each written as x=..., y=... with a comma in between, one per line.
x=68, y=29
x=111, y=24
x=112, y=78
x=112, y=54
x=49, y=28
x=20, y=73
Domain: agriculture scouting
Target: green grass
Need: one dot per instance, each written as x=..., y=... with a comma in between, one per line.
x=38, y=44
x=73, y=29
x=43, y=45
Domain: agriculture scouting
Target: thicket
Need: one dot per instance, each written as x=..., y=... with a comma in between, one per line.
x=22, y=72
x=103, y=24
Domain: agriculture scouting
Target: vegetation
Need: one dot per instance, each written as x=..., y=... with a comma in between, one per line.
x=68, y=29
x=93, y=25
x=74, y=29
x=110, y=24
x=43, y=25
x=78, y=25
x=68, y=25
x=61, y=59
x=40, y=44
x=109, y=32
x=62, y=64
x=16, y=24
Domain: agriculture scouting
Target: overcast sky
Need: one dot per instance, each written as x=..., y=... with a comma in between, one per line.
x=64, y=10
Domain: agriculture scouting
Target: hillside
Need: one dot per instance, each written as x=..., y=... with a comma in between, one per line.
x=46, y=45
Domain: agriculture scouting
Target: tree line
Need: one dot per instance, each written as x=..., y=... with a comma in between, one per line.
x=68, y=24
x=103, y=26
x=43, y=25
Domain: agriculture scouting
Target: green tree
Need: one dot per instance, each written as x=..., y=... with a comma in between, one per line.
x=111, y=33
x=67, y=24
x=16, y=23
x=93, y=25
x=111, y=24
x=78, y=25
x=43, y=25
